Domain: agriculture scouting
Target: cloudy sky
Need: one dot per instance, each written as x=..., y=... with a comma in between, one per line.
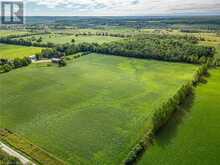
x=121, y=7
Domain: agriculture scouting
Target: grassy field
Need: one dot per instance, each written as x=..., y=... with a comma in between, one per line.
x=192, y=136
x=61, y=39
x=94, y=110
x=14, y=51
x=112, y=30
x=4, y=33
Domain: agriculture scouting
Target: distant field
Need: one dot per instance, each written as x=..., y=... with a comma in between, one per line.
x=114, y=30
x=192, y=136
x=215, y=44
x=14, y=51
x=94, y=110
x=211, y=39
x=61, y=39
x=4, y=33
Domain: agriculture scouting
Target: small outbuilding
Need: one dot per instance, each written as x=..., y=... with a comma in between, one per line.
x=33, y=58
x=55, y=60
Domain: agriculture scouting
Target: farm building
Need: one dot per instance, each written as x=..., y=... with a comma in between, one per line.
x=33, y=58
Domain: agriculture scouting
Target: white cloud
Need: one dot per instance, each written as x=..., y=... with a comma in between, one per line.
x=122, y=7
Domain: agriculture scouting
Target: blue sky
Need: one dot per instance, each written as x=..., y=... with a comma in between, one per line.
x=121, y=7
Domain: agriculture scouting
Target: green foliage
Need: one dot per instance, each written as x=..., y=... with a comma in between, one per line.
x=62, y=63
x=159, y=47
x=5, y=68
x=163, y=114
x=5, y=159
x=8, y=65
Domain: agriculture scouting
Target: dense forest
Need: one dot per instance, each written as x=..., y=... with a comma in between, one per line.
x=159, y=47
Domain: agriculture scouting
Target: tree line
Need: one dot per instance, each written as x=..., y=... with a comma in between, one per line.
x=8, y=65
x=161, y=116
x=158, y=47
x=24, y=42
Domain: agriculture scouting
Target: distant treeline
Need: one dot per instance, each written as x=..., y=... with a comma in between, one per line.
x=121, y=35
x=24, y=42
x=134, y=22
x=150, y=46
x=158, y=47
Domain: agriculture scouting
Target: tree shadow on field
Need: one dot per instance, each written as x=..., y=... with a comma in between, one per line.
x=169, y=131
x=203, y=79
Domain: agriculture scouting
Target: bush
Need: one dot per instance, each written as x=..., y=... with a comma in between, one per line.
x=6, y=68
x=62, y=63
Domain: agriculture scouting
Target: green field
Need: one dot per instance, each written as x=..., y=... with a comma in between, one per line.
x=63, y=38
x=14, y=51
x=92, y=111
x=192, y=136
x=112, y=30
x=4, y=33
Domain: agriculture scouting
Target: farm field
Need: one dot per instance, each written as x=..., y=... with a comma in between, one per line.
x=192, y=136
x=4, y=33
x=62, y=39
x=113, y=30
x=15, y=51
x=84, y=112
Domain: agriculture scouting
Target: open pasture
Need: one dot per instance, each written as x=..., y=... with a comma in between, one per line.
x=15, y=51
x=111, y=30
x=94, y=110
x=5, y=33
x=192, y=136
x=66, y=38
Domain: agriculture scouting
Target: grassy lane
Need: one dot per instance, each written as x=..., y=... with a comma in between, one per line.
x=193, y=136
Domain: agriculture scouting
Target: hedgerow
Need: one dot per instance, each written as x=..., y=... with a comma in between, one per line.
x=161, y=116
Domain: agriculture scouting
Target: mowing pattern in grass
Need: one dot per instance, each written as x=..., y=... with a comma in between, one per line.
x=62, y=39
x=92, y=111
x=14, y=51
x=193, y=136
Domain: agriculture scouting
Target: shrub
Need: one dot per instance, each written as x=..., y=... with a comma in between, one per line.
x=62, y=63
x=6, y=68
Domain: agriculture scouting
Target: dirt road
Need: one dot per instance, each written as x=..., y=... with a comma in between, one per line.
x=14, y=153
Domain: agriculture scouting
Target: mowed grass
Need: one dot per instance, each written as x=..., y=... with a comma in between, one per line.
x=193, y=136
x=64, y=38
x=94, y=110
x=14, y=51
